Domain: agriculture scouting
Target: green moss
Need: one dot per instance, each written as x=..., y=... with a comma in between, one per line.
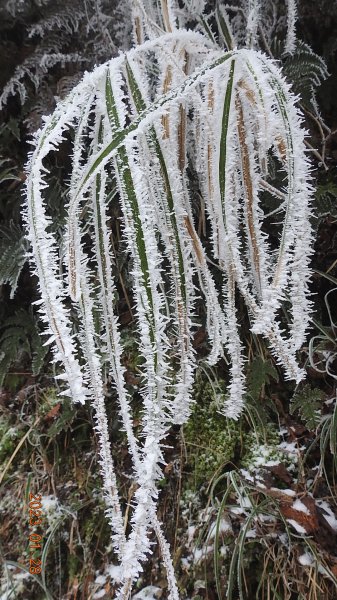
x=48, y=399
x=214, y=441
x=258, y=455
x=211, y=439
x=9, y=439
x=74, y=565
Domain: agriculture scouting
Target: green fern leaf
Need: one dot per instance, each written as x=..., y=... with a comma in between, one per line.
x=260, y=372
x=39, y=352
x=13, y=249
x=308, y=403
x=5, y=362
x=326, y=199
x=20, y=339
x=306, y=70
x=12, y=345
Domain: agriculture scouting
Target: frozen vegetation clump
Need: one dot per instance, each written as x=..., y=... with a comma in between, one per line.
x=179, y=102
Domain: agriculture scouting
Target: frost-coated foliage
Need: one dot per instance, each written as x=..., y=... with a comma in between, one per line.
x=173, y=105
x=62, y=39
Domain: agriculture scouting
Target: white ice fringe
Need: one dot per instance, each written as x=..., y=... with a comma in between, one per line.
x=291, y=25
x=252, y=10
x=138, y=129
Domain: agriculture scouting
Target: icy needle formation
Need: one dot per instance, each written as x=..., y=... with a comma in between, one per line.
x=138, y=122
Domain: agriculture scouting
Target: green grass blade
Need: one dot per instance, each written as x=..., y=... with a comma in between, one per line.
x=126, y=176
x=140, y=105
x=119, y=137
x=224, y=133
x=37, y=579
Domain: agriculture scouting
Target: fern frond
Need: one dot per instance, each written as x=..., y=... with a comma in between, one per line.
x=62, y=36
x=20, y=338
x=306, y=70
x=326, y=199
x=13, y=255
x=308, y=403
x=35, y=68
x=260, y=373
x=60, y=17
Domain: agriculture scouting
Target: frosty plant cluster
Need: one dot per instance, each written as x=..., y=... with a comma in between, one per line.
x=176, y=103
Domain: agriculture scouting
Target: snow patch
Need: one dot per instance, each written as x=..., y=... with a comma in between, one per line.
x=224, y=527
x=306, y=559
x=200, y=553
x=286, y=492
x=330, y=517
x=300, y=507
x=291, y=448
x=251, y=533
x=148, y=593
x=297, y=526
x=99, y=594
